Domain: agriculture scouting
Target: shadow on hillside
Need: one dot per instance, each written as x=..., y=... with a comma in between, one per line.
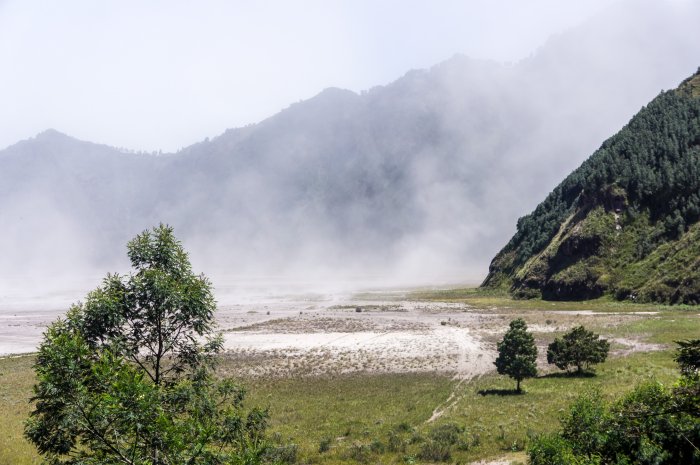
x=571, y=374
x=499, y=392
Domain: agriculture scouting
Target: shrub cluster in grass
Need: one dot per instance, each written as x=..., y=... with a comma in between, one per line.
x=324, y=445
x=444, y=439
x=282, y=454
x=437, y=446
x=652, y=424
x=358, y=452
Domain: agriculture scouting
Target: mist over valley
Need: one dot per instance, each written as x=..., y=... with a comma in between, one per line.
x=419, y=181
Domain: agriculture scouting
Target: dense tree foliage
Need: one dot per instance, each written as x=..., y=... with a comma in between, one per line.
x=127, y=377
x=517, y=353
x=688, y=357
x=653, y=424
x=654, y=162
x=578, y=348
x=655, y=159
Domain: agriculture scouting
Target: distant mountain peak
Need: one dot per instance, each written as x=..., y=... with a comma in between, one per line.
x=51, y=134
x=336, y=91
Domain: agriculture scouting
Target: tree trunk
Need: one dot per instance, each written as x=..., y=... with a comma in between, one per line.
x=518, y=385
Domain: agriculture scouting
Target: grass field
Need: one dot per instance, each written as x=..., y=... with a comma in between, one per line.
x=384, y=418
x=361, y=416
x=16, y=379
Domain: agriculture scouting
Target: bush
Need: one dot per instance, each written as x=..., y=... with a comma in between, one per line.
x=324, y=445
x=377, y=446
x=652, y=424
x=404, y=427
x=284, y=454
x=433, y=451
x=396, y=443
x=359, y=452
x=551, y=450
x=688, y=357
x=448, y=433
x=578, y=348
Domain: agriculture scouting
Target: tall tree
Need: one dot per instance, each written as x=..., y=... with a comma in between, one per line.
x=517, y=353
x=127, y=376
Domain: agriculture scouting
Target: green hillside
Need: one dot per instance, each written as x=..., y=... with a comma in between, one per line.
x=625, y=223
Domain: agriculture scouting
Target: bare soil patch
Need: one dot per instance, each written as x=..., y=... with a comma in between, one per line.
x=310, y=335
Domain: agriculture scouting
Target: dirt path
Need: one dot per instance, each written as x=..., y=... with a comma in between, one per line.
x=474, y=360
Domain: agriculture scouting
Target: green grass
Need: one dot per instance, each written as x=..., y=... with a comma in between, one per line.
x=16, y=379
x=483, y=298
x=666, y=328
x=507, y=422
x=360, y=410
x=350, y=409
x=355, y=415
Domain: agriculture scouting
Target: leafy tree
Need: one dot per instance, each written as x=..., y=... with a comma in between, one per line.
x=578, y=348
x=688, y=357
x=517, y=353
x=652, y=424
x=127, y=376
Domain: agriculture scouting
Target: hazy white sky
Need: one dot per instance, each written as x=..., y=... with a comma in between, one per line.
x=164, y=74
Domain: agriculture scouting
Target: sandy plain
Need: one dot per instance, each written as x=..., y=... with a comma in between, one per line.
x=287, y=333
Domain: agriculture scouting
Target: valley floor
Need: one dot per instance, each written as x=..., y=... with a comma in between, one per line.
x=372, y=377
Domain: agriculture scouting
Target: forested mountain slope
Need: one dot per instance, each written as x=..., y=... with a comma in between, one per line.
x=421, y=177
x=626, y=222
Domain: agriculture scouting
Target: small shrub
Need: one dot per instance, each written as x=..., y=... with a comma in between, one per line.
x=377, y=446
x=476, y=440
x=516, y=446
x=463, y=444
x=285, y=454
x=359, y=452
x=433, y=451
x=551, y=450
x=396, y=443
x=403, y=427
x=446, y=434
x=324, y=445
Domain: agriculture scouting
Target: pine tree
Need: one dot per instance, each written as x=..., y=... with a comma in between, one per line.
x=517, y=353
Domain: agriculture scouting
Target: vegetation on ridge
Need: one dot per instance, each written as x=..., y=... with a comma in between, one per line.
x=611, y=222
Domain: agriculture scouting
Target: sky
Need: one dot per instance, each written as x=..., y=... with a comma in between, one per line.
x=161, y=75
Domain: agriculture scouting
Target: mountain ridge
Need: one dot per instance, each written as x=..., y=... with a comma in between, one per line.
x=610, y=225
x=423, y=175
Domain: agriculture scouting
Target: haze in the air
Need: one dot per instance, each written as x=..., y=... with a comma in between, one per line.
x=394, y=141
x=162, y=75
